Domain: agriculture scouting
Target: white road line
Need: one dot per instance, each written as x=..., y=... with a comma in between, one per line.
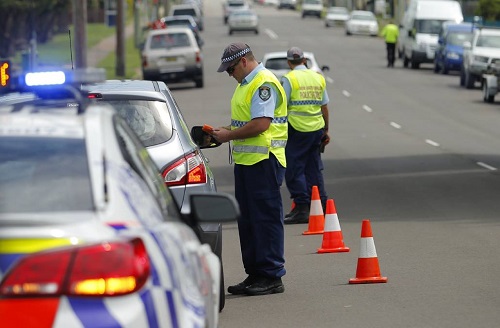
x=432, y=143
x=368, y=109
x=271, y=34
x=486, y=166
x=395, y=125
x=346, y=93
x=329, y=79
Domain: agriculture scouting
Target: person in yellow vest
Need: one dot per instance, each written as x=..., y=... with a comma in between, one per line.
x=258, y=133
x=307, y=131
x=390, y=33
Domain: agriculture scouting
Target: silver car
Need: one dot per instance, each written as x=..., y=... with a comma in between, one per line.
x=336, y=16
x=243, y=20
x=361, y=22
x=277, y=63
x=172, y=55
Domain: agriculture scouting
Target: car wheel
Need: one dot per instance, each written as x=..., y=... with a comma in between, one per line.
x=256, y=31
x=406, y=61
x=436, y=67
x=230, y=32
x=415, y=65
x=462, y=77
x=469, y=80
x=486, y=94
x=199, y=82
x=444, y=69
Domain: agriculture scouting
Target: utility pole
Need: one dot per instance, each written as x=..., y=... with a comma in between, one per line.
x=120, y=39
x=80, y=26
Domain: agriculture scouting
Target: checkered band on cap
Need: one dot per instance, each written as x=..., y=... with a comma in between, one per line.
x=235, y=56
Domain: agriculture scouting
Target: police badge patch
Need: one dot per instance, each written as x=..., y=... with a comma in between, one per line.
x=264, y=93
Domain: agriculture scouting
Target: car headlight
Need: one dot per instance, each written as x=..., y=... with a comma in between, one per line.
x=452, y=55
x=481, y=59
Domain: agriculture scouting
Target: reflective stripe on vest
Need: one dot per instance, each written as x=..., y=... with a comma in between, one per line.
x=304, y=108
x=252, y=150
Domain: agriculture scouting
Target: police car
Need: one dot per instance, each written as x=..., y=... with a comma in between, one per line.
x=89, y=234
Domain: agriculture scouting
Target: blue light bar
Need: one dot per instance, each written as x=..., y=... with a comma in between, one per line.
x=44, y=78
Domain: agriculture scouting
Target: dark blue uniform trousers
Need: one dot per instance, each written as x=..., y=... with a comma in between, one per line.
x=257, y=190
x=304, y=168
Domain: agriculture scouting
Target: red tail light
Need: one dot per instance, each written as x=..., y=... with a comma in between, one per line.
x=107, y=269
x=188, y=170
x=144, y=61
x=198, y=57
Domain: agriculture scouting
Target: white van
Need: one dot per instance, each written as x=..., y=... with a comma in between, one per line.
x=420, y=27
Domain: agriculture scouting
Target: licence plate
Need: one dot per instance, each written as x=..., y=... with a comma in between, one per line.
x=170, y=59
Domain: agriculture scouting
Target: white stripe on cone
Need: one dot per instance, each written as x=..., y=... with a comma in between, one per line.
x=367, y=248
x=332, y=222
x=316, y=208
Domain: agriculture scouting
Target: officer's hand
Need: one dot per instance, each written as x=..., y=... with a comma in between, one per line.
x=221, y=134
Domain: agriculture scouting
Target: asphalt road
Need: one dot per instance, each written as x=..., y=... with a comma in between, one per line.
x=411, y=151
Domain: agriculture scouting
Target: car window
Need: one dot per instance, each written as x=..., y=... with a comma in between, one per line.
x=40, y=174
x=458, y=39
x=429, y=26
x=490, y=41
x=187, y=11
x=170, y=40
x=281, y=63
x=138, y=158
x=149, y=119
x=363, y=17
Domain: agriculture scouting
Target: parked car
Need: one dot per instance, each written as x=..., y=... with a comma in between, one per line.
x=449, y=53
x=243, y=20
x=230, y=6
x=484, y=49
x=290, y=4
x=362, y=22
x=184, y=20
x=151, y=110
x=90, y=236
x=336, y=16
x=277, y=63
x=172, y=55
x=190, y=9
x=312, y=8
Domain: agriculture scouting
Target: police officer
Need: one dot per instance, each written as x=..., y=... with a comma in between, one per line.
x=258, y=132
x=307, y=131
x=390, y=33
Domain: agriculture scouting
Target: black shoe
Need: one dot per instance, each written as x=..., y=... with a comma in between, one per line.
x=265, y=286
x=239, y=289
x=300, y=216
x=291, y=212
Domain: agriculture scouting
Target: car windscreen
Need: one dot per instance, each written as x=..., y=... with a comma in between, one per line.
x=428, y=26
x=458, y=38
x=282, y=63
x=169, y=40
x=44, y=175
x=489, y=41
x=149, y=119
x=188, y=11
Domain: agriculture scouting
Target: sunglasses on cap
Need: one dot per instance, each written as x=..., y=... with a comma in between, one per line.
x=230, y=69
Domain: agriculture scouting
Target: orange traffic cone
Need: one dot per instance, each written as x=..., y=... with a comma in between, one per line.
x=368, y=270
x=316, y=217
x=333, y=241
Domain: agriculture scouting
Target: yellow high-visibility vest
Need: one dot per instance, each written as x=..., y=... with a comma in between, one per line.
x=304, y=108
x=253, y=150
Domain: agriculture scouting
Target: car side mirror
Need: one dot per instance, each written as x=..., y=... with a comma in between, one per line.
x=203, y=139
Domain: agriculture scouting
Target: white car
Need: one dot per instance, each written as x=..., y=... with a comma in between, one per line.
x=172, y=55
x=90, y=236
x=361, y=22
x=243, y=20
x=336, y=16
x=277, y=63
x=312, y=8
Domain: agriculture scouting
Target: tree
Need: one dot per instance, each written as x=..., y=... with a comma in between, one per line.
x=489, y=9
